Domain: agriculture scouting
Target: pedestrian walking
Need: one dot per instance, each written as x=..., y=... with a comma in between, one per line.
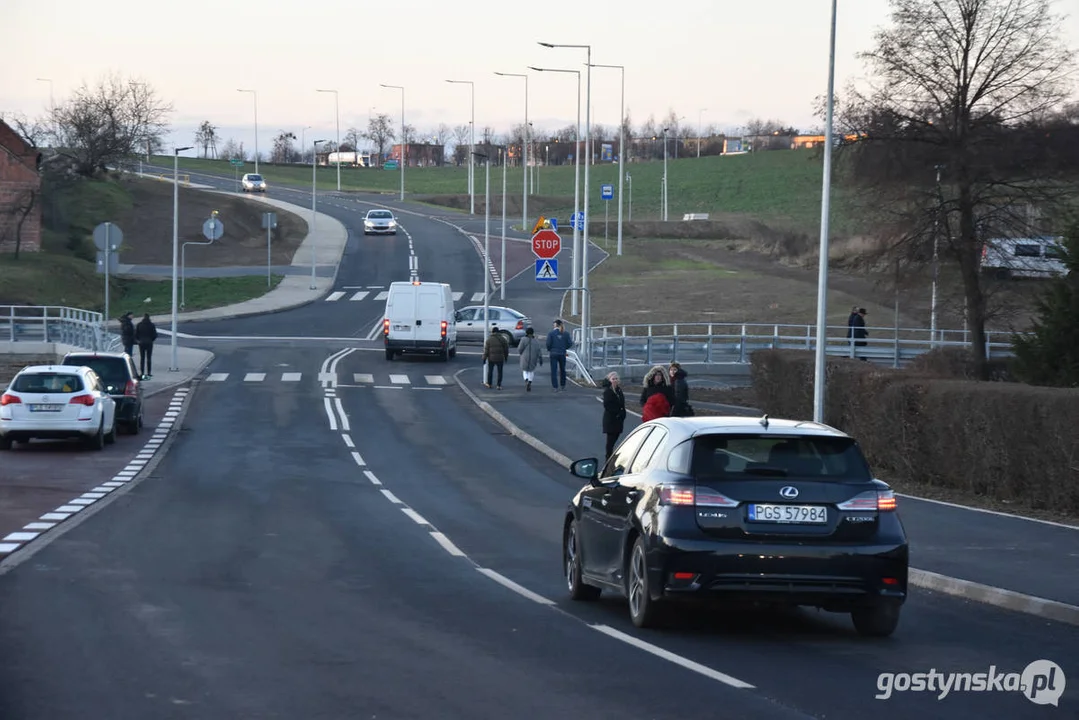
x=127, y=334
x=145, y=335
x=656, y=398
x=558, y=344
x=856, y=329
x=680, y=390
x=614, y=411
x=531, y=357
x=495, y=352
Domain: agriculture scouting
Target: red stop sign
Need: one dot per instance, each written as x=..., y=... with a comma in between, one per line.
x=546, y=244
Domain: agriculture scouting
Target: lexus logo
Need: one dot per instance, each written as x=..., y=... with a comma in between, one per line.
x=789, y=492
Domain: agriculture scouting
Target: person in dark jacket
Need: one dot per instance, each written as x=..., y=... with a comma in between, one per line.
x=856, y=328
x=127, y=334
x=558, y=344
x=145, y=335
x=680, y=407
x=614, y=411
x=495, y=352
x=656, y=398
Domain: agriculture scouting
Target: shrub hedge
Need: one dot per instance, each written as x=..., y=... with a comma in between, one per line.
x=1006, y=441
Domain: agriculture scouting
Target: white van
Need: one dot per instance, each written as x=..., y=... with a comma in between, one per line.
x=419, y=318
x=1026, y=257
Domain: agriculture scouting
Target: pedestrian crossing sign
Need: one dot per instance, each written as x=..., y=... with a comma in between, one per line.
x=546, y=270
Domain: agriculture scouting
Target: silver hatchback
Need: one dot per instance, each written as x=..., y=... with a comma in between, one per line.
x=472, y=328
x=379, y=222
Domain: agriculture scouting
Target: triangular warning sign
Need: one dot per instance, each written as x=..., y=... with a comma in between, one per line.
x=547, y=271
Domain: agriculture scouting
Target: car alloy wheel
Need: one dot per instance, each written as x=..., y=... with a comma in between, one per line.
x=643, y=610
x=571, y=565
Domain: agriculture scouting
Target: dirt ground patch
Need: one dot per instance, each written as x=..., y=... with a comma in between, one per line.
x=148, y=228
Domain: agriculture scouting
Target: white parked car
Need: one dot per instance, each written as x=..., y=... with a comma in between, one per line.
x=251, y=182
x=56, y=402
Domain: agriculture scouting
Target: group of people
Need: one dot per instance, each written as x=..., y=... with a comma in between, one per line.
x=144, y=334
x=665, y=394
x=496, y=353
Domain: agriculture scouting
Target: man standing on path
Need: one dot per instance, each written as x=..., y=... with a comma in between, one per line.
x=558, y=343
x=495, y=352
x=127, y=334
x=145, y=335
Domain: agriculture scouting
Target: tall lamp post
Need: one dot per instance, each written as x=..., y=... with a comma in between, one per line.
x=525, y=142
x=256, y=97
x=303, y=144
x=314, y=201
x=826, y=197
x=486, y=246
x=665, y=174
x=174, y=366
x=621, y=148
x=576, y=188
x=471, y=146
x=404, y=140
x=337, y=112
x=49, y=81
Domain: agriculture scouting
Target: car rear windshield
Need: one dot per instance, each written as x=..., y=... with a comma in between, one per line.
x=380, y=214
x=47, y=383
x=762, y=456
x=112, y=371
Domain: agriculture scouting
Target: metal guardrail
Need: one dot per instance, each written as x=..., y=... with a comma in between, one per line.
x=734, y=343
x=55, y=324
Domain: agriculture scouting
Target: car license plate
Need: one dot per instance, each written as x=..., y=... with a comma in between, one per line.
x=797, y=514
x=402, y=327
x=46, y=408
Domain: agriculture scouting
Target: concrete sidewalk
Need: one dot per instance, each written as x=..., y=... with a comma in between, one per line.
x=1012, y=562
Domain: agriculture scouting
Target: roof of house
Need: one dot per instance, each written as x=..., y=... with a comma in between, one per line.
x=16, y=146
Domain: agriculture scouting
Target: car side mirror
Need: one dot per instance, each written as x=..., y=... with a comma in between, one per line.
x=585, y=469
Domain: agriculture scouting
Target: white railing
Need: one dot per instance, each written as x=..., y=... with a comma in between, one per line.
x=54, y=324
x=733, y=343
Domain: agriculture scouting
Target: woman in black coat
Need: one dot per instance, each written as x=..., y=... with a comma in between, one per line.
x=614, y=411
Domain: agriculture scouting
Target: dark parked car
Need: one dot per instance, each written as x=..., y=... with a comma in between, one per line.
x=768, y=511
x=121, y=378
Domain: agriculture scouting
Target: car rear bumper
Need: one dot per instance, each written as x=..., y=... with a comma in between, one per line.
x=25, y=429
x=127, y=408
x=416, y=345
x=836, y=576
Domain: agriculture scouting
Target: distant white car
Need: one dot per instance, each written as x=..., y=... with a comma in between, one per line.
x=379, y=222
x=251, y=182
x=57, y=402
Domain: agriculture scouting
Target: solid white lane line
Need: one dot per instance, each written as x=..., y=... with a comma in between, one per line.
x=358, y=458
x=329, y=413
x=388, y=387
x=371, y=476
x=416, y=517
x=341, y=412
x=447, y=545
x=671, y=657
x=520, y=590
x=348, y=441
x=392, y=498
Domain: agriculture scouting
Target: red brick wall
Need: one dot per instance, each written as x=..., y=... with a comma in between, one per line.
x=18, y=178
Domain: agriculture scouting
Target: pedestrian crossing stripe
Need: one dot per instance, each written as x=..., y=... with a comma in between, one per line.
x=477, y=297
x=361, y=295
x=457, y=296
x=334, y=296
x=333, y=378
x=382, y=295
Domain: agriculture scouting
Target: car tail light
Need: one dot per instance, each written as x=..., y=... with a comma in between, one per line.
x=443, y=328
x=386, y=326
x=684, y=576
x=87, y=400
x=132, y=388
x=890, y=581
x=9, y=399
x=879, y=500
x=703, y=497
x=520, y=324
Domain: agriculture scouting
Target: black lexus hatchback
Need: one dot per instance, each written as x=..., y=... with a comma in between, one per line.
x=765, y=511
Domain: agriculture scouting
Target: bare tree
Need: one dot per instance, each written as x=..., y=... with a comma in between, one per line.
x=283, y=150
x=232, y=150
x=443, y=134
x=101, y=125
x=17, y=209
x=409, y=133
x=34, y=132
x=206, y=138
x=959, y=83
x=353, y=137
x=380, y=132
x=460, y=150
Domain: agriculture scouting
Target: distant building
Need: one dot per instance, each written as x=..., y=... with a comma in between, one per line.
x=20, y=192
x=420, y=154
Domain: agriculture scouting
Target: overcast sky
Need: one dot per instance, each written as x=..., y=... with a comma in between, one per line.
x=720, y=62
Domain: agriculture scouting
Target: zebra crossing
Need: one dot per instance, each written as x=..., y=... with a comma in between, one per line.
x=394, y=380
x=358, y=295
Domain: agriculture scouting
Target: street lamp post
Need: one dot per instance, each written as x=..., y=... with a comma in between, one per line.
x=576, y=188
x=525, y=142
x=826, y=197
x=256, y=98
x=586, y=301
x=404, y=140
x=337, y=112
x=314, y=201
x=486, y=246
x=303, y=143
x=49, y=81
x=502, y=276
x=936, y=262
x=700, y=116
x=471, y=146
x=174, y=366
x=664, y=197
x=621, y=148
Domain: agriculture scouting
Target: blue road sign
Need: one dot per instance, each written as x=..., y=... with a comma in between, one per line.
x=577, y=220
x=606, y=191
x=554, y=223
x=546, y=270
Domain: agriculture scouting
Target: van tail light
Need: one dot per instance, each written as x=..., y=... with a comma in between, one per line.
x=699, y=496
x=520, y=324
x=87, y=400
x=386, y=326
x=131, y=388
x=9, y=399
x=879, y=500
x=443, y=328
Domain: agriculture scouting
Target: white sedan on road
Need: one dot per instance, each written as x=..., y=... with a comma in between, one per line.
x=253, y=183
x=57, y=402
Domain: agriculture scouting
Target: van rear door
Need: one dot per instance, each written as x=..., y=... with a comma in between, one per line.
x=429, y=313
x=400, y=310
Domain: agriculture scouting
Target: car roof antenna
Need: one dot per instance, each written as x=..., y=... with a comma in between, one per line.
x=764, y=422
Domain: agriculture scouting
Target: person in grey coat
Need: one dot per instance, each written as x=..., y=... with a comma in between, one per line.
x=531, y=357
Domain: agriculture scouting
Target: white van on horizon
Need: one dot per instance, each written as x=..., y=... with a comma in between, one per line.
x=1039, y=257
x=419, y=318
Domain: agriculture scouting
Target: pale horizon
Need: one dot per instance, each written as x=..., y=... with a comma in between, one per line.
x=715, y=68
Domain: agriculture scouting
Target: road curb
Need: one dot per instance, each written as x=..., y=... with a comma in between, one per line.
x=967, y=589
